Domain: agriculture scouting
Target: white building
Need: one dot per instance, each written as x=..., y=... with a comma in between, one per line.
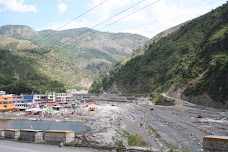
x=51, y=97
x=38, y=98
x=64, y=97
x=2, y=92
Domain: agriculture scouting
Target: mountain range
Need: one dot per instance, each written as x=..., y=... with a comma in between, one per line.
x=40, y=59
x=91, y=50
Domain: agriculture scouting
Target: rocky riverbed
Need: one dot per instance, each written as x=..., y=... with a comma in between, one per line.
x=181, y=126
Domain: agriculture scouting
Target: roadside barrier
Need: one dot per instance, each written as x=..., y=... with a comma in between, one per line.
x=53, y=136
x=31, y=135
x=39, y=136
x=12, y=133
x=1, y=132
x=215, y=143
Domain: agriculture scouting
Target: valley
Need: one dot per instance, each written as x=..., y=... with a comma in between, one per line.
x=75, y=88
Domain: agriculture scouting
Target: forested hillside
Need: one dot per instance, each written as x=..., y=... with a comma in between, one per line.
x=194, y=58
x=38, y=69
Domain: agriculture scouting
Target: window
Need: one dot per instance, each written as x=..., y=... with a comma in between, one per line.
x=0, y=102
x=5, y=106
x=5, y=102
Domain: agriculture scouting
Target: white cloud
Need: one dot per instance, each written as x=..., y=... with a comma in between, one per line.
x=18, y=6
x=74, y=24
x=62, y=8
x=174, y=13
x=163, y=15
x=136, y=17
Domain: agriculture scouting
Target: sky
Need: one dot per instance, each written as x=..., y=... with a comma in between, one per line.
x=53, y=14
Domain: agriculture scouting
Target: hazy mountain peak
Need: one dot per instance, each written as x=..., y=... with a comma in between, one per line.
x=17, y=31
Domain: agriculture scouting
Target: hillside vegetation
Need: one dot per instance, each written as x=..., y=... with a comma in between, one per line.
x=141, y=50
x=38, y=69
x=97, y=51
x=195, y=56
x=11, y=43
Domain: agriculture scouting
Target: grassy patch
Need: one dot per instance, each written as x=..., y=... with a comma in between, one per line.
x=136, y=140
x=133, y=140
x=220, y=33
x=161, y=100
x=119, y=144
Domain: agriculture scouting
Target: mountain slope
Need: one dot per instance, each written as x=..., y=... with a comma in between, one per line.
x=36, y=69
x=97, y=51
x=12, y=43
x=194, y=58
x=94, y=50
x=157, y=37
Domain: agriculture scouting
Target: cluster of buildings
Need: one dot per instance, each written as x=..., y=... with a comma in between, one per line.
x=11, y=101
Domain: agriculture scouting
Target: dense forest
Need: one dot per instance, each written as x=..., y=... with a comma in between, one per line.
x=18, y=76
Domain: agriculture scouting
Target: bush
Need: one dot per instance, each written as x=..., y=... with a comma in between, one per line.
x=161, y=100
x=119, y=144
x=136, y=140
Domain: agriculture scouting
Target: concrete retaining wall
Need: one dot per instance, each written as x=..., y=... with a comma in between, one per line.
x=31, y=135
x=49, y=136
x=215, y=143
x=54, y=136
x=12, y=133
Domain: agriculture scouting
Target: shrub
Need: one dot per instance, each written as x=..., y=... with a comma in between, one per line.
x=136, y=140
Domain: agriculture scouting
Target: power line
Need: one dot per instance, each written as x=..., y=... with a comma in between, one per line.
x=105, y=21
x=67, y=23
x=113, y=22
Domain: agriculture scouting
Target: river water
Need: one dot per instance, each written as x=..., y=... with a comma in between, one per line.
x=77, y=127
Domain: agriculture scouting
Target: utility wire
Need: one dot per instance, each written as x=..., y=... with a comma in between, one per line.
x=67, y=23
x=104, y=21
x=112, y=22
